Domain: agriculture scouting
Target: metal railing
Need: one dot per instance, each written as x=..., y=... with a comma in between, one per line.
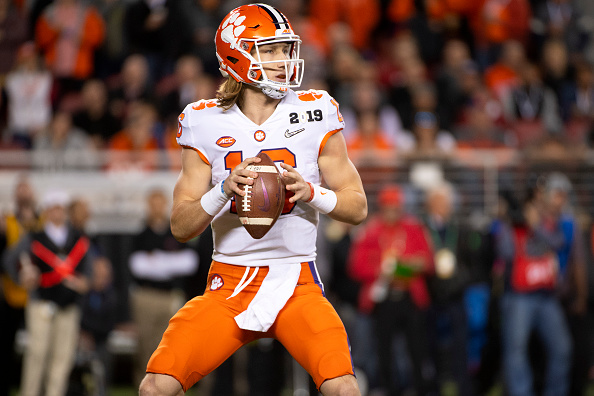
x=116, y=191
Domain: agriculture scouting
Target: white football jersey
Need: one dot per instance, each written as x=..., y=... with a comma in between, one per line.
x=295, y=134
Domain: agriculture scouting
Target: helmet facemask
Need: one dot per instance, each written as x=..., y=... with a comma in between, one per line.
x=257, y=75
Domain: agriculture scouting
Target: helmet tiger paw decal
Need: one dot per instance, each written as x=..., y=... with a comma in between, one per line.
x=232, y=28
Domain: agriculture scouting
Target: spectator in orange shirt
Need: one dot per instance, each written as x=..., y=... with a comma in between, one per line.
x=502, y=76
x=135, y=147
x=361, y=17
x=498, y=22
x=68, y=32
x=369, y=139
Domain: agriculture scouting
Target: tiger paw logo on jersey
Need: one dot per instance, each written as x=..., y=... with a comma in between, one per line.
x=259, y=136
x=216, y=282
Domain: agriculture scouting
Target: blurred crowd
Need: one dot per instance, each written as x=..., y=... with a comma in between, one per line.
x=413, y=77
x=456, y=305
x=435, y=302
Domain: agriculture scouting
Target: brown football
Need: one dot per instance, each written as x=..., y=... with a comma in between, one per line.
x=259, y=209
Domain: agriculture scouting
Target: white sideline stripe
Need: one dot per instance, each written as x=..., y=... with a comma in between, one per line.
x=256, y=220
x=262, y=168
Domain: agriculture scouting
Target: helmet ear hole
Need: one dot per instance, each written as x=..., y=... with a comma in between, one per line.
x=232, y=59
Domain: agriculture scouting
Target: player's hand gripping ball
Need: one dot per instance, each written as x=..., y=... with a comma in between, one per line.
x=263, y=203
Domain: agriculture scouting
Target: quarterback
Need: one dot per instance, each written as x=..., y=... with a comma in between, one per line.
x=268, y=287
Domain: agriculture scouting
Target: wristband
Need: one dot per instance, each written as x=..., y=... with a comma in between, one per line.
x=313, y=192
x=322, y=199
x=214, y=200
x=223, y=190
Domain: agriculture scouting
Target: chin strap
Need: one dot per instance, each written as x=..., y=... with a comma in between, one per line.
x=274, y=93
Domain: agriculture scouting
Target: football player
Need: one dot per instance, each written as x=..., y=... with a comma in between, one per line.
x=268, y=287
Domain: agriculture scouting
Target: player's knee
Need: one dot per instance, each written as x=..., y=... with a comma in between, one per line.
x=148, y=386
x=341, y=386
x=159, y=385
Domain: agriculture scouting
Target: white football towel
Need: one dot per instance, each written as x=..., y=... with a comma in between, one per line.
x=276, y=289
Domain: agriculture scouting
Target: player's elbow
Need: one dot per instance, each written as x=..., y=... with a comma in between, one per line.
x=360, y=216
x=183, y=234
x=179, y=235
x=361, y=211
x=356, y=214
x=181, y=238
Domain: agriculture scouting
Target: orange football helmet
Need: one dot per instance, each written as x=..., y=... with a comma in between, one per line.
x=239, y=38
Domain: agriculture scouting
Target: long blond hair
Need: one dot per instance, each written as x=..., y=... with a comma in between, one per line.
x=229, y=93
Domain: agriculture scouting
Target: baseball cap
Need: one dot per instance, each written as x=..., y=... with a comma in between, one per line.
x=425, y=119
x=557, y=181
x=54, y=198
x=390, y=195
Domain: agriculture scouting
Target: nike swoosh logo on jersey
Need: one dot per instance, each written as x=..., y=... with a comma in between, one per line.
x=266, y=205
x=289, y=134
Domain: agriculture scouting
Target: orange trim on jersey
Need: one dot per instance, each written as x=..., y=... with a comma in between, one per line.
x=202, y=156
x=204, y=104
x=326, y=139
x=309, y=96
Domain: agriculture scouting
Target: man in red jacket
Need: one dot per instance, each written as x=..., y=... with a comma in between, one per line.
x=391, y=258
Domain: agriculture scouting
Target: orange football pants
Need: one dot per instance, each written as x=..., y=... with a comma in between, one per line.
x=203, y=334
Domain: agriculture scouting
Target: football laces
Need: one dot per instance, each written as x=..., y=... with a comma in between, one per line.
x=245, y=202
